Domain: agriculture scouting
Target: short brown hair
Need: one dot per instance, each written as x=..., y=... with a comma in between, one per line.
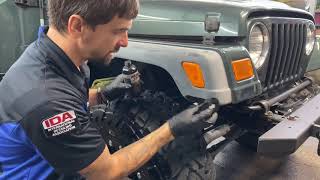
x=94, y=12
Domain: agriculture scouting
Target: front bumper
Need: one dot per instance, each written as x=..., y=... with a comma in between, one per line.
x=287, y=136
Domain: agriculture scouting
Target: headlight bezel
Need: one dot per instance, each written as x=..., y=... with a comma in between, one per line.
x=260, y=61
x=309, y=46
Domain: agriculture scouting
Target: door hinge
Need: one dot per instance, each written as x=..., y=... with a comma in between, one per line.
x=27, y=3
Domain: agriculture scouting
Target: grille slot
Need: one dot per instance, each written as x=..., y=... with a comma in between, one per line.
x=287, y=51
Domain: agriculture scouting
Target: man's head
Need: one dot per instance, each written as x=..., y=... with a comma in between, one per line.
x=95, y=28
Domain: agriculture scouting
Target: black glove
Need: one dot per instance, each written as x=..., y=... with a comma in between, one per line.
x=193, y=120
x=117, y=88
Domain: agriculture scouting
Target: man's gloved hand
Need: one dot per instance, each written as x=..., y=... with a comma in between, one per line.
x=193, y=120
x=117, y=88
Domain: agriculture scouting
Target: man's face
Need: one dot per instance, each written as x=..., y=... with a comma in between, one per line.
x=105, y=40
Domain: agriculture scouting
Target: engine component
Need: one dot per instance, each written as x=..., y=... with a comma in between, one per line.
x=131, y=70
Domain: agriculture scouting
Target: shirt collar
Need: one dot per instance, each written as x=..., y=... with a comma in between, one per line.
x=58, y=58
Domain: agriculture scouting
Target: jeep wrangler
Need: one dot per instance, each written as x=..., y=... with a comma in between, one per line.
x=250, y=56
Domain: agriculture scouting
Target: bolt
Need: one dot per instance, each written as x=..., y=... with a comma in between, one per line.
x=139, y=175
x=269, y=113
x=110, y=143
x=292, y=118
x=111, y=133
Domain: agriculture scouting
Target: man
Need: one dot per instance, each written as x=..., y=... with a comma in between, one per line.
x=45, y=130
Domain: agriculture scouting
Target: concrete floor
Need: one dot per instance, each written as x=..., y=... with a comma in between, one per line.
x=238, y=163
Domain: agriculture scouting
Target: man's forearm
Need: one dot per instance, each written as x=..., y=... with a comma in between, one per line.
x=125, y=161
x=130, y=158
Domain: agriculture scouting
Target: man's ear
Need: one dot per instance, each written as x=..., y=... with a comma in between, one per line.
x=76, y=25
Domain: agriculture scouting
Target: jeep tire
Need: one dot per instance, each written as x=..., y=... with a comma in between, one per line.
x=182, y=159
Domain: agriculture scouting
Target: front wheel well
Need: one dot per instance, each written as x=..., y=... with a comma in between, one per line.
x=154, y=77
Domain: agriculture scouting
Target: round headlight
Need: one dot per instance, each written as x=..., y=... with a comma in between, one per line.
x=259, y=44
x=310, y=40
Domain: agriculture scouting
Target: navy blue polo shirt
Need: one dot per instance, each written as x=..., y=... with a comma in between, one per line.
x=45, y=129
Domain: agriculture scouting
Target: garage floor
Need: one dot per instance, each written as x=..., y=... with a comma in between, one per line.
x=238, y=163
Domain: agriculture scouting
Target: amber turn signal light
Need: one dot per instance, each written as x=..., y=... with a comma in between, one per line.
x=242, y=69
x=194, y=73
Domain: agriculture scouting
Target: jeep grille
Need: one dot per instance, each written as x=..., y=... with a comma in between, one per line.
x=287, y=49
x=287, y=60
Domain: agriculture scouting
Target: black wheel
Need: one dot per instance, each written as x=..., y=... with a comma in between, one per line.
x=183, y=159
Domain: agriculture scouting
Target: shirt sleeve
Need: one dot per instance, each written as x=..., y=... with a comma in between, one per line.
x=62, y=132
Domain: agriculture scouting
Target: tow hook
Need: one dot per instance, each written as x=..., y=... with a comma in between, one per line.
x=316, y=134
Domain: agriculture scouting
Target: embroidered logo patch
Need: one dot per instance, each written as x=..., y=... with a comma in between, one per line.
x=59, y=124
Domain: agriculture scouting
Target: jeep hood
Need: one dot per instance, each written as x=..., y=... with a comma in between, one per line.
x=186, y=17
